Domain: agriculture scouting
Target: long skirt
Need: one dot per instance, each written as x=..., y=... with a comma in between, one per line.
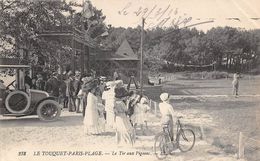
x=124, y=131
x=91, y=119
x=110, y=119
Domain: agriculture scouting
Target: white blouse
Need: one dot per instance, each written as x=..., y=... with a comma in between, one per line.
x=166, y=109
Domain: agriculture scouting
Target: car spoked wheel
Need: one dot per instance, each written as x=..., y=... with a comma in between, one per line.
x=49, y=110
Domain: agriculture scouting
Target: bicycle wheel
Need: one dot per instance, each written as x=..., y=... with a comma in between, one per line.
x=186, y=140
x=161, y=148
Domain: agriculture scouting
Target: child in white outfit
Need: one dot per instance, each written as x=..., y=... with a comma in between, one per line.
x=140, y=114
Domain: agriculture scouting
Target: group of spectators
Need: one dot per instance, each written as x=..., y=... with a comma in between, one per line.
x=109, y=105
x=105, y=105
x=64, y=88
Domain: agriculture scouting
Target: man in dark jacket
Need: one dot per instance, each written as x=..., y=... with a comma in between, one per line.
x=28, y=79
x=77, y=86
x=53, y=85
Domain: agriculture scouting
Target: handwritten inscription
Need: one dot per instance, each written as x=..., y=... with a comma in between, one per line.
x=157, y=16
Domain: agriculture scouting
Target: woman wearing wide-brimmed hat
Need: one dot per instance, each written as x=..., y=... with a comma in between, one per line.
x=124, y=130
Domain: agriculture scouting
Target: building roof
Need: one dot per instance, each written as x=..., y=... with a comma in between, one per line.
x=124, y=52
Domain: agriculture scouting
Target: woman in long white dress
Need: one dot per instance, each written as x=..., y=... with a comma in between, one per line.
x=109, y=98
x=125, y=133
x=91, y=119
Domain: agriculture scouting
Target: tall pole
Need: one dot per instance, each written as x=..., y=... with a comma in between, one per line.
x=141, y=58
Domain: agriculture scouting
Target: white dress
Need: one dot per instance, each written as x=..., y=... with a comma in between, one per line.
x=124, y=130
x=140, y=113
x=91, y=119
x=109, y=97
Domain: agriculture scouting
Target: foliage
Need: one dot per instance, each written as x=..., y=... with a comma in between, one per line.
x=21, y=23
x=230, y=49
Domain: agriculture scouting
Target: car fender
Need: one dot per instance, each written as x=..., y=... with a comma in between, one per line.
x=47, y=98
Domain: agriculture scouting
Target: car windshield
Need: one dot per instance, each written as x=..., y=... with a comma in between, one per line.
x=8, y=76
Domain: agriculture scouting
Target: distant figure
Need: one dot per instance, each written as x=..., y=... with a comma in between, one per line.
x=2, y=91
x=63, y=98
x=77, y=87
x=2, y=86
x=69, y=92
x=159, y=79
x=116, y=75
x=28, y=79
x=39, y=82
x=34, y=82
x=235, y=84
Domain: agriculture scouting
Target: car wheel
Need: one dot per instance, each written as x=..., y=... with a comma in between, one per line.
x=17, y=102
x=49, y=110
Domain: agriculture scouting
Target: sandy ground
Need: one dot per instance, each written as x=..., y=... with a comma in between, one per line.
x=221, y=118
x=31, y=135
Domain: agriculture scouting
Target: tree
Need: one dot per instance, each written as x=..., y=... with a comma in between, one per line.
x=21, y=22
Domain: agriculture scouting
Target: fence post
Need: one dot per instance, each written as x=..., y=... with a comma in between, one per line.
x=202, y=137
x=150, y=103
x=241, y=146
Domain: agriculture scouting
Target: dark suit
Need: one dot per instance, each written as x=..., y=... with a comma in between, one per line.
x=53, y=86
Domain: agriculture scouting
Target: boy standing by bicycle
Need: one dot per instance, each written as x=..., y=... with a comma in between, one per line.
x=167, y=112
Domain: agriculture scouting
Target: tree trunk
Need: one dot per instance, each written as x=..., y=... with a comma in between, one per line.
x=227, y=61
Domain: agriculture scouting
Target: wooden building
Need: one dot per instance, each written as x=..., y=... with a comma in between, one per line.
x=124, y=60
x=76, y=39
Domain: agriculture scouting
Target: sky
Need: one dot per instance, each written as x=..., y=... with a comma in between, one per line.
x=165, y=13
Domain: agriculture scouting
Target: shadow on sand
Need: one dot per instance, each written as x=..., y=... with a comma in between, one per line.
x=34, y=121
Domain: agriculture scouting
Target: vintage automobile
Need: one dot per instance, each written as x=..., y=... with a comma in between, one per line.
x=16, y=99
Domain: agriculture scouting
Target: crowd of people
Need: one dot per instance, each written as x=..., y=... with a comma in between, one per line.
x=109, y=105
x=105, y=105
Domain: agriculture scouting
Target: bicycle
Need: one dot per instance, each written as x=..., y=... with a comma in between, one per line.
x=164, y=145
